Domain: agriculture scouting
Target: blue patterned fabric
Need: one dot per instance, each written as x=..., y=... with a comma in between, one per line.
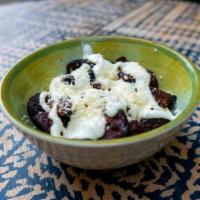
x=28, y=173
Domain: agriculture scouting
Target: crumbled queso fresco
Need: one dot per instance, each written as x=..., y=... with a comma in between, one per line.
x=91, y=102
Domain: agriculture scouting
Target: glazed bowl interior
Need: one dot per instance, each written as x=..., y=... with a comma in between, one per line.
x=34, y=73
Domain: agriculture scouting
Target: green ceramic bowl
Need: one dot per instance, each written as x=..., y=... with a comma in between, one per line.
x=34, y=73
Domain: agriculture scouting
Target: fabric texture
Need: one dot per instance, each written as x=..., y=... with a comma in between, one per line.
x=28, y=173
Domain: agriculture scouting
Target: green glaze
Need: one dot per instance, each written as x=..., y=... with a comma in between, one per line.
x=34, y=73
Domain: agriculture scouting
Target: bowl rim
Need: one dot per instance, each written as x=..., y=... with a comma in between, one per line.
x=117, y=141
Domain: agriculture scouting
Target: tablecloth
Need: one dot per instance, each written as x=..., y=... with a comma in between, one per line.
x=28, y=173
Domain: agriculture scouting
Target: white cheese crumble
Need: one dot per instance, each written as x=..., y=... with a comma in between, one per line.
x=90, y=105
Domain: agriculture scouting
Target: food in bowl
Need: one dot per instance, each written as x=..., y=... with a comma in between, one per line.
x=97, y=99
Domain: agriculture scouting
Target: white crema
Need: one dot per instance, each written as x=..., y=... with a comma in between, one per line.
x=90, y=105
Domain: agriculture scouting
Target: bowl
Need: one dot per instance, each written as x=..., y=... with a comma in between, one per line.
x=33, y=74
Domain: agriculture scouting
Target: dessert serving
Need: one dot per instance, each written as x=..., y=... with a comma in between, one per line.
x=99, y=111
x=98, y=99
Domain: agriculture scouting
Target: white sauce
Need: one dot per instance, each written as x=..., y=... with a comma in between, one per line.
x=89, y=105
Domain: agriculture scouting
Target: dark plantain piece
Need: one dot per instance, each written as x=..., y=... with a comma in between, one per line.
x=37, y=113
x=64, y=107
x=33, y=106
x=69, y=79
x=164, y=99
x=75, y=64
x=64, y=111
x=92, y=75
x=135, y=127
x=144, y=125
x=121, y=59
x=149, y=124
x=126, y=77
x=65, y=120
x=172, y=103
x=42, y=121
x=116, y=126
x=153, y=80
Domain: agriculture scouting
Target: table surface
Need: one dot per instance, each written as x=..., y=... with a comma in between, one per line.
x=28, y=173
